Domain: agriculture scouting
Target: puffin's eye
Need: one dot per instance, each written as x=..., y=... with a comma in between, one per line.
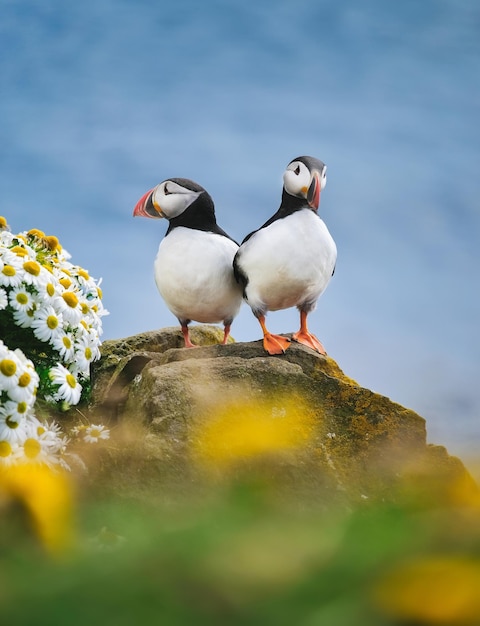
x=297, y=170
x=165, y=190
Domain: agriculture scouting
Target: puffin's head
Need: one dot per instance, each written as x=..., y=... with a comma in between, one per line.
x=304, y=178
x=168, y=199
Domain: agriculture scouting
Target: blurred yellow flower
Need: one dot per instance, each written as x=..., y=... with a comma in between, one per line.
x=247, y=428
x=47, y=497
x=442, y=590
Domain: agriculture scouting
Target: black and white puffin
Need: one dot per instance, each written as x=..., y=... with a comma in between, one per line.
x=193, y=267
x=289, y=260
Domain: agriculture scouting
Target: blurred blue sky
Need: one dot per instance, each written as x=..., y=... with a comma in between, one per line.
x=101, y=100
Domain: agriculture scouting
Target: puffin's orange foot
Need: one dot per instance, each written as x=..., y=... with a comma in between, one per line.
x=275, y=344
x=307, y=339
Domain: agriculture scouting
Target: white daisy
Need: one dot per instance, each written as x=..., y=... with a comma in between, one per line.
x=20, y=299
x=10, y=370
x=69, y=389
x=69, y=305
x=49, y=435
x=9, y=453
x=24, y=319
x=24, y=251
x=47, y=323
x=37, y=451
x=34, y=273
x=10, y=274
x=86, y=351
x=12, y=429
x=94, y=433
x=64, y=343
x=16, y=410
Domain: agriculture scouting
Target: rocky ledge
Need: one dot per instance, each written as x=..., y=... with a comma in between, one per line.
x=296, y=419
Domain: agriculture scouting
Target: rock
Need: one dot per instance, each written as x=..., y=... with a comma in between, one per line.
x=220, y=411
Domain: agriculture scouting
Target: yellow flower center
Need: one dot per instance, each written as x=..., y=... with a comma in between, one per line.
x=88, y=353
x=32, y=448
x=34, y=232
x=84, y=307
x=21, y=298
x=71, y=380
x=11, y=423
x=40, y=430
x=22, y=407
x=19, y=251
x=65, y=282
x=52, y=242
x=70, y=299
x=94, y=432
x=66, y=342
x=9, y=270
x=5, y=449
x=3, y=222
x=32, y=267
x=8, y=367
x=83, y=273
x=50, y=289
x=24, y=380
x=52, y=322
x=100, y=293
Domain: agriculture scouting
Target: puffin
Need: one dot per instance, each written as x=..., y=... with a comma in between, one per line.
x=193, y=267
x=289, y=261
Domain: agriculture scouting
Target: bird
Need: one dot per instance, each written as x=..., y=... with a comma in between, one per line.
x=193, y=267
x=289, y=261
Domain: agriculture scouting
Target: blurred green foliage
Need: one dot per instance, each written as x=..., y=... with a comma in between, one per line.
x=242, y=552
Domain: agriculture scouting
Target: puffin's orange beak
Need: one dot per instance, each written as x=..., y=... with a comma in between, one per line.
x=145, y=206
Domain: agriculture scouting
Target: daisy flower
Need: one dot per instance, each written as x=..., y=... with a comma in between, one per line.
x=34, y=274
x=10, y=370
x=94, y=433
x=69, y=305
x=48, y=291
x=24, y=319
x=34, y=450
x=47, y=323
x=9, y=453
x=86, y=351
x=15, y=411
x=11, y=429
x=64, y=343
x=20, y=299
x=69, y=389
x=10, y=275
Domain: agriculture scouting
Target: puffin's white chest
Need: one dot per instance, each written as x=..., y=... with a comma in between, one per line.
x=193, y=272
x=288, y=263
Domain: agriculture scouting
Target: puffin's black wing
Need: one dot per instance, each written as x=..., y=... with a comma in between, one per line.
x=240, y=276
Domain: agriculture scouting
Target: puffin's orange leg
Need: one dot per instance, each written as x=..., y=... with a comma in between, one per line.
x=186, y=336
x=273, y=344
x=305, y=337
x=226, y=333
